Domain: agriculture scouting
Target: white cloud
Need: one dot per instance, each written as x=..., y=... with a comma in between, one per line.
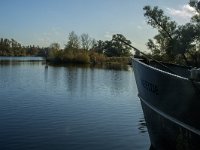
x=140, y=27
x=52, y=35
x=185, y=12
x=45, y=41
x=108, y=35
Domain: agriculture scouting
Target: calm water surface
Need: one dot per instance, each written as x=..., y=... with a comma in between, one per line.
x=68, y=107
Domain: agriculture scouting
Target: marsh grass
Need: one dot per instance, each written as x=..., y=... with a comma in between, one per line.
x=85, y=57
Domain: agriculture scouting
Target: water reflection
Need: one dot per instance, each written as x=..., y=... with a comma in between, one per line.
x=84, y=81
x=70, y=78
x=78, y=78
x=151, y=148
x=112, y=66
x=99, y=66
x=69, y=107
x=21, y=59
x=46, y=74
x=14, y=61
x=142, y=125
x=17, y=63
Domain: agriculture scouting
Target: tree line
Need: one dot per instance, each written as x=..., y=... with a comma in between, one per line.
x=78, y=49
x=84, y=49
x=13, y=48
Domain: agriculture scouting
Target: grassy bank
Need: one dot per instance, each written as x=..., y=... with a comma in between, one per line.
x=118, y=60
x=85, y=57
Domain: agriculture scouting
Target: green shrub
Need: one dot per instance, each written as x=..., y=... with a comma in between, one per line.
x=68, y=57
x=82, y=58
x=97, y=58
x=120, y=60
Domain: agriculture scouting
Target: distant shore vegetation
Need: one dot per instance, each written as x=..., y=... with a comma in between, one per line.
x=10, y=47
x=78, y=49
x=83, y=49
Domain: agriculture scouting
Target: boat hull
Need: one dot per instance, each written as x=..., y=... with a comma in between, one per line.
x=171, y=107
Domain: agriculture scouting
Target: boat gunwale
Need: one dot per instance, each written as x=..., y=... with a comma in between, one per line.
x=162, y=71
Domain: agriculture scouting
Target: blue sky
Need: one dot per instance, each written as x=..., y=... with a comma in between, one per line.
x=42, y=22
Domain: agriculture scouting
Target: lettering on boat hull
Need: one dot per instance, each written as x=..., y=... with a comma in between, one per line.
x=150, y=87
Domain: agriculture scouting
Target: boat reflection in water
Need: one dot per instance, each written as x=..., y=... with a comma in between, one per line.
x=171, y=104
x=142, y=126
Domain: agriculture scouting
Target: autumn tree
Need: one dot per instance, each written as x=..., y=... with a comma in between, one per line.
x=54, y=49
x=73, y=41
x=116, y=47
x=86, y=41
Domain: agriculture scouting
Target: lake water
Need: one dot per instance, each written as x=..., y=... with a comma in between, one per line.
x=69, y=107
